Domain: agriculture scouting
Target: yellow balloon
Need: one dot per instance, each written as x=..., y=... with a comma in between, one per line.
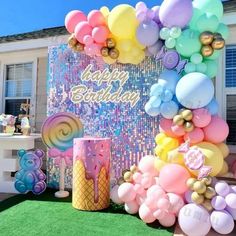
x=224, y=149
x=124, y=45
x=122, y=21
x=213, y=157
x=176, y=157
x=109, y=60
x=224, y=169
x=159, y=138
x=139, y=58
x=105, y=11
x=159, y=164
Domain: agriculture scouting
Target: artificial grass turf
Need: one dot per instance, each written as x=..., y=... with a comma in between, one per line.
x=30, y=215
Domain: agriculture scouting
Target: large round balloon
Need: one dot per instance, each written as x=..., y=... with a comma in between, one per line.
x=194, y=90
x=192, y=225
x=176, y=13
x=73, y=18
x=213, y=157
x=169, y=79
x=122, y=21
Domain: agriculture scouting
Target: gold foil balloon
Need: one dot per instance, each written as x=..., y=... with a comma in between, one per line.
x=79, y=47
x=188, y=126
x=207, y=50
x=210, y=193
x=207, y=180
x=218, y=43
x=133, y=169
x=111, y=43
x=217, y=35
x=190, y=183
x=120, y=181
x=72, y=41
x=178, y=120
x=114, y=53
x=187, y=114
x=206, y=38
x=207, y=205
x=199, y=187
x=105, y=51
x=128, y=176
x=197, y=198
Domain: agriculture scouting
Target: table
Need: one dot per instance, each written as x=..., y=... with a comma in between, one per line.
x=9, y=162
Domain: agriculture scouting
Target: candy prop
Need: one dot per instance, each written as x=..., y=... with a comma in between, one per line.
x=30, y=177
x=91, y=173
x=58, y=132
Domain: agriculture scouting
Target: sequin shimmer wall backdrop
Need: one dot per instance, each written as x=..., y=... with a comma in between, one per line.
x=131, y=129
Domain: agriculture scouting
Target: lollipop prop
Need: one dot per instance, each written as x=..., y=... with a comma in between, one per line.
x=58, y=133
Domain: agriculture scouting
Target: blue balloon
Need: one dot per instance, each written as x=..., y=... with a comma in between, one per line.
x=194, y=90
x=169, y=109
x=154, y=101
x=156, y=90
x=166, y=96
x=213, y=107
x=169, y=79
x=151, y=111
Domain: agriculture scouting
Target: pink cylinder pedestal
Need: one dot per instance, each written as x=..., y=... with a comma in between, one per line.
x=91, y=173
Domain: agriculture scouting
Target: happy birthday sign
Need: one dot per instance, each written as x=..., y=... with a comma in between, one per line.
x=82, y=93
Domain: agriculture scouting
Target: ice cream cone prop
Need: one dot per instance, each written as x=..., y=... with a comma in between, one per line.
x=91, y=169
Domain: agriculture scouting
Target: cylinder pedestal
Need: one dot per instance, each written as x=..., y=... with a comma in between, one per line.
x=91, y=173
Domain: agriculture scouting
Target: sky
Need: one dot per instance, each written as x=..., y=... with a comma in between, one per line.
x=21, y=16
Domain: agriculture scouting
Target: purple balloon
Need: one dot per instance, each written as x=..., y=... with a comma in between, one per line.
x=156, y=10
x=141, y=6
x=171, y=59
x=231, y=200
x=231, y=211
x=218, y=203
x=147, y=32
x=222, y=188
x=176, y=13
x=222, y=222
x=154, y=49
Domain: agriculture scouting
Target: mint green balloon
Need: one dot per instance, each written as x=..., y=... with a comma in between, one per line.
x=210, y=6
x=175, y=32
x=211, y=71
x=164, y=33
x=223, y=30
x=196, y=14
x=170, y=43
x=207, y=22
x=214, y=56
x=196, y=58
x=188, y=43
x=190, y=67
x=201, y=67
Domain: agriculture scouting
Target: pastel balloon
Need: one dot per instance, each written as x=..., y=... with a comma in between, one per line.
x=122, y=21
x=150, y=110
x=146, y=214
x=195, y=136
x=100, y=34
x=224, y=169
x=223, y=30
x=178, y=130
x=222, y=188
x=201, y=117
x=187, y=196
x=224, y=149
x=159, y=164
x=231, y=200
x=82, y=29
x=194, y=90
x=88, y=40
x=137, y=177
x=168, y=220
x=169, y=79
x=176, y=203
x=207, y=22
x=147, y=165
x=165, y=126
x=131, y=207
x=211, y=70
x=222, y=222
x=169, y=109
x=73, y=18
x=213, y=107
x=147, y=32
x=174, y=156
x=169, y=19
x=126, y=192
x=155, y=191
x=155, y=48
x=96, y=18
x=188, y=43
x=114, y=195
x=163, y=204
x=231, y=211
x=218, y=203
x=176, y=182
x=147, y=180
x=217, y=130
x=190, y=224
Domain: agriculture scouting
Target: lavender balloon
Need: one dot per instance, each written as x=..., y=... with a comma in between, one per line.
x=147, y=32
x=156, y=10
x=176, y=13
x=154, y=49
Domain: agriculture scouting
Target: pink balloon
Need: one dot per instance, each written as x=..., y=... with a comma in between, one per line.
x=168, y=220
x=163, y=204
x=165, y=127
x=159, y=214
x=88, y=40
x=176, y=181
x=201, y=117
x=96, y=18
x=178, y=130
x=126, y=192
x=146, y=181
x=217, y=131
x=151, y=202
x=147, y=165
x=137, y=177
x=100, y=34
x=82, y=29
x=176, y=203
x=138, y=188
x=114, y=195
x=132, y=207
x=187, y=196
x=195, y=136
x=73, y=18
x=155, y=191
x=140, y=198
x=146, y=214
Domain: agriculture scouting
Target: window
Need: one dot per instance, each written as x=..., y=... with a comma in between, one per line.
x=230, y=92
x=18, y=87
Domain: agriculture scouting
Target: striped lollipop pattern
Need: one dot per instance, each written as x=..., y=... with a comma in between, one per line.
x=59, y=130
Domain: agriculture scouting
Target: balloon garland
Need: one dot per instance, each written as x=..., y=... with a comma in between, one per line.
x=188, y=37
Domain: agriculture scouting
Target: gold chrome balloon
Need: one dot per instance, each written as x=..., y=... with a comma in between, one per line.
x=207, y=205
x=72, y=41
x=114, y=53
x=187, y=114
x=111, y=43
x=188, y=126
x=128, y=176
x=178, y=120
x=199, y=187
x=206, y=38
x=190, y=183
x=105, y=51
x=197, y=198
x=79, y=47
x=218, y=43
x=133, y=169
x=120, y=181
x=210, y=193
x=207, y=51
x=207, y=180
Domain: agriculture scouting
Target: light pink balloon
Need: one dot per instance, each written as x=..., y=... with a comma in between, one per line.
x=176, y=203
x=178, y=130
x=140, y=199
x=155, y=191
x=114, y=195
x=147, y=180
x=163, y=204
x=73, y=18
x=159, y=214
x=151, y=202
x=137, y=177
x=168, y=220
x=88, y=40
x=195, y=136
x=201, y=117
x=217, y=131
x=146, y=214
x=187, y=196
x=100, y=34
x=147, y=165
x=138, y=188
x=126, y=192
x=96, y=18
x=82, y=29
x=165, y=127
x=131, y=207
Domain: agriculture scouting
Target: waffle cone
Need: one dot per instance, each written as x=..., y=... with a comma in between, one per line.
x=83, y=196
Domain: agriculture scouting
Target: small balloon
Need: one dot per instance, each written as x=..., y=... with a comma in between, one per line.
x=164, y=33
x=72, y=41
x=105, y=51
x=196, y=58
x=114, y=53
x=175, y=32
x=207, y=51
x=170, y=43
x=218, y=43
x=206, y=38
x=79, y=47
x=111, y=43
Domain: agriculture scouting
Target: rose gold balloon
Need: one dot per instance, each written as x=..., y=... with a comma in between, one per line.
x=206, y=38
x=207, y=51
x=105, y=52
x=111, y=43
x=114, y=53
x=72, y=41
x=188, y=126
x=218, y=43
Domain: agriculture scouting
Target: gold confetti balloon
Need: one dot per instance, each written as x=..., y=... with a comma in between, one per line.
x=207, y=51
x=206, y=38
